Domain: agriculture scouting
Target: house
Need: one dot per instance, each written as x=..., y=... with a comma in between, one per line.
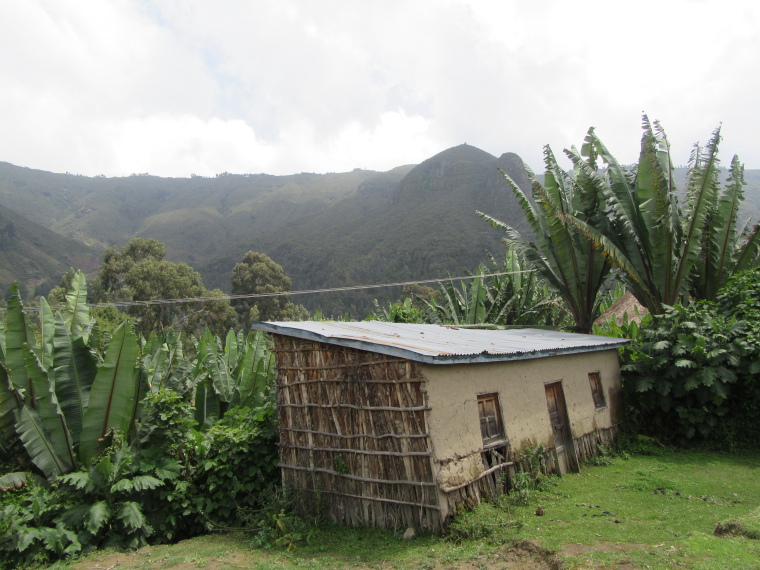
x=401, y=425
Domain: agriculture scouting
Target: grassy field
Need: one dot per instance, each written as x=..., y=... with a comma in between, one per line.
x=646, y=511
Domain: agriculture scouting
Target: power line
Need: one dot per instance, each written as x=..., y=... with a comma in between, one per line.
x=152, y=302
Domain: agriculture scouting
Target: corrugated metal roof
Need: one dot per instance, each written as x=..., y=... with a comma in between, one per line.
x=437, y=344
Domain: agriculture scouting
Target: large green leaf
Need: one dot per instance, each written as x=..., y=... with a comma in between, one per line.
x=76, y=314
x=255, y=374
x=18, y=335
x=74, y=368
x=207, y=403
x=38, y=444
x=10, y=403
x=111, y=405
x=46, y=404
x=47, y=330
x=97, y=515
x=565, y=258
x=217, y=367
x=131, y=515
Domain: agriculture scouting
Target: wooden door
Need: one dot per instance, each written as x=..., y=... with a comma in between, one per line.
x=563, y=437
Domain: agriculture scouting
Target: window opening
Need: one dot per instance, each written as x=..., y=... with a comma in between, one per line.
x=596, y=390
x=492, y=430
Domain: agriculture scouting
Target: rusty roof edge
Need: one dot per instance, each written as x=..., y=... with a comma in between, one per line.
x=390, y=350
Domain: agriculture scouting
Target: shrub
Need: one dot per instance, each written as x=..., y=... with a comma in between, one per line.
x=237, y=464
x=691, y=375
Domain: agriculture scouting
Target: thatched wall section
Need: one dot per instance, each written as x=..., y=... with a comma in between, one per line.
x=353, y=431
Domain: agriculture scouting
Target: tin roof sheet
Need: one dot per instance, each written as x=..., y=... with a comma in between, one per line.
x=439, y=344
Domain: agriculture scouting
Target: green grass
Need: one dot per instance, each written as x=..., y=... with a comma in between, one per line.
x=642, y=512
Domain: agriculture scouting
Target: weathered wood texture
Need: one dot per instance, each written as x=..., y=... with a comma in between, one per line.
x=353, y=431
x=587, y=445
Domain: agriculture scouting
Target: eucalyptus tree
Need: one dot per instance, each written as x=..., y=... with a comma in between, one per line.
x=559, y=251
x=139, y=272
x=666, y=253
x=258, y=274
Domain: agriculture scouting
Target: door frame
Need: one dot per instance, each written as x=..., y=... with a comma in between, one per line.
x=564, y=448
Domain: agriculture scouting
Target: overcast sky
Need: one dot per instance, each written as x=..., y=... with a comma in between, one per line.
x=174, y=87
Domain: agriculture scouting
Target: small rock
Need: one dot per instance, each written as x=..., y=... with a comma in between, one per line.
x=409, y=534
x=539, y=512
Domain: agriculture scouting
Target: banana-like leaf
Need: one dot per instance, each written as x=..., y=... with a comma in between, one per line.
x=156, y=366
x=217, y=368
x=46, y=404
x=748, y=252
x=722, y=254
x=141, y=388
x=231, y=349
x=476, y=309
x=18, y=335
x=47, y=330
x=111, y=405
x=38, y=444
x=11, y=402
x=74, y=368
x=76, y=314
x=207, y=402
x=701, y=199
x=255, y=374
x=562, y=255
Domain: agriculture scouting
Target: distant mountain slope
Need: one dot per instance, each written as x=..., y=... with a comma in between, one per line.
x=425, y=228
x=34, y=255
x=195, y=217
x=326, y=230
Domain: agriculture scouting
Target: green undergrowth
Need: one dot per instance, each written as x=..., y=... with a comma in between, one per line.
x=645, y=511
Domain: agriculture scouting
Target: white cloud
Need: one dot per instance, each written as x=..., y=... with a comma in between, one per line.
x=174, y=87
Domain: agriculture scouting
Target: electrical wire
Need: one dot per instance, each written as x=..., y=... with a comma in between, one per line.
x=152, y=302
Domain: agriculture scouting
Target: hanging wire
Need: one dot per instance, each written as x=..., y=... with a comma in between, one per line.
x=152, y=302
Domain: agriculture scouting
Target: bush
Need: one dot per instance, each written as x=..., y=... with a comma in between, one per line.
x=691, y=375
x=237, y=465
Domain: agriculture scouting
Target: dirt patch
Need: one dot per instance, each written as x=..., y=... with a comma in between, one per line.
x=521, y=556
x=530, y=556
x=603, y=546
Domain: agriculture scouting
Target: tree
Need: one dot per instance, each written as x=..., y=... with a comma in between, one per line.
x=258, y=274
x=666, y=254
x=140, y=273
x=561, y=253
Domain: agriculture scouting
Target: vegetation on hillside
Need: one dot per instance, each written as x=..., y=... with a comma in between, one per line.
x=139, y=272
x=630, y=220
x=257, y=274
x=567, y=261
x=692, y=372
x=122, y=440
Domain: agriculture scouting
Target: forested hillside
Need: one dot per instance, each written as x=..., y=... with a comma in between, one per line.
x=326, y=230
x=37, y=256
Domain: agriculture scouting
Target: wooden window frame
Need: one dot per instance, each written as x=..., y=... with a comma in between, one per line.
x=497, y=436
x=597, y=390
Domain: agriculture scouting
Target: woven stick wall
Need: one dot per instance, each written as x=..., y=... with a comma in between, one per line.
x=353, y=431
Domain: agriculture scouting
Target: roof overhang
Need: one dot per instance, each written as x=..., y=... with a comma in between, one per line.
x=440, y=344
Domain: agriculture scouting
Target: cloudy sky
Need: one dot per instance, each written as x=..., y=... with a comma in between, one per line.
x=174, y=87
